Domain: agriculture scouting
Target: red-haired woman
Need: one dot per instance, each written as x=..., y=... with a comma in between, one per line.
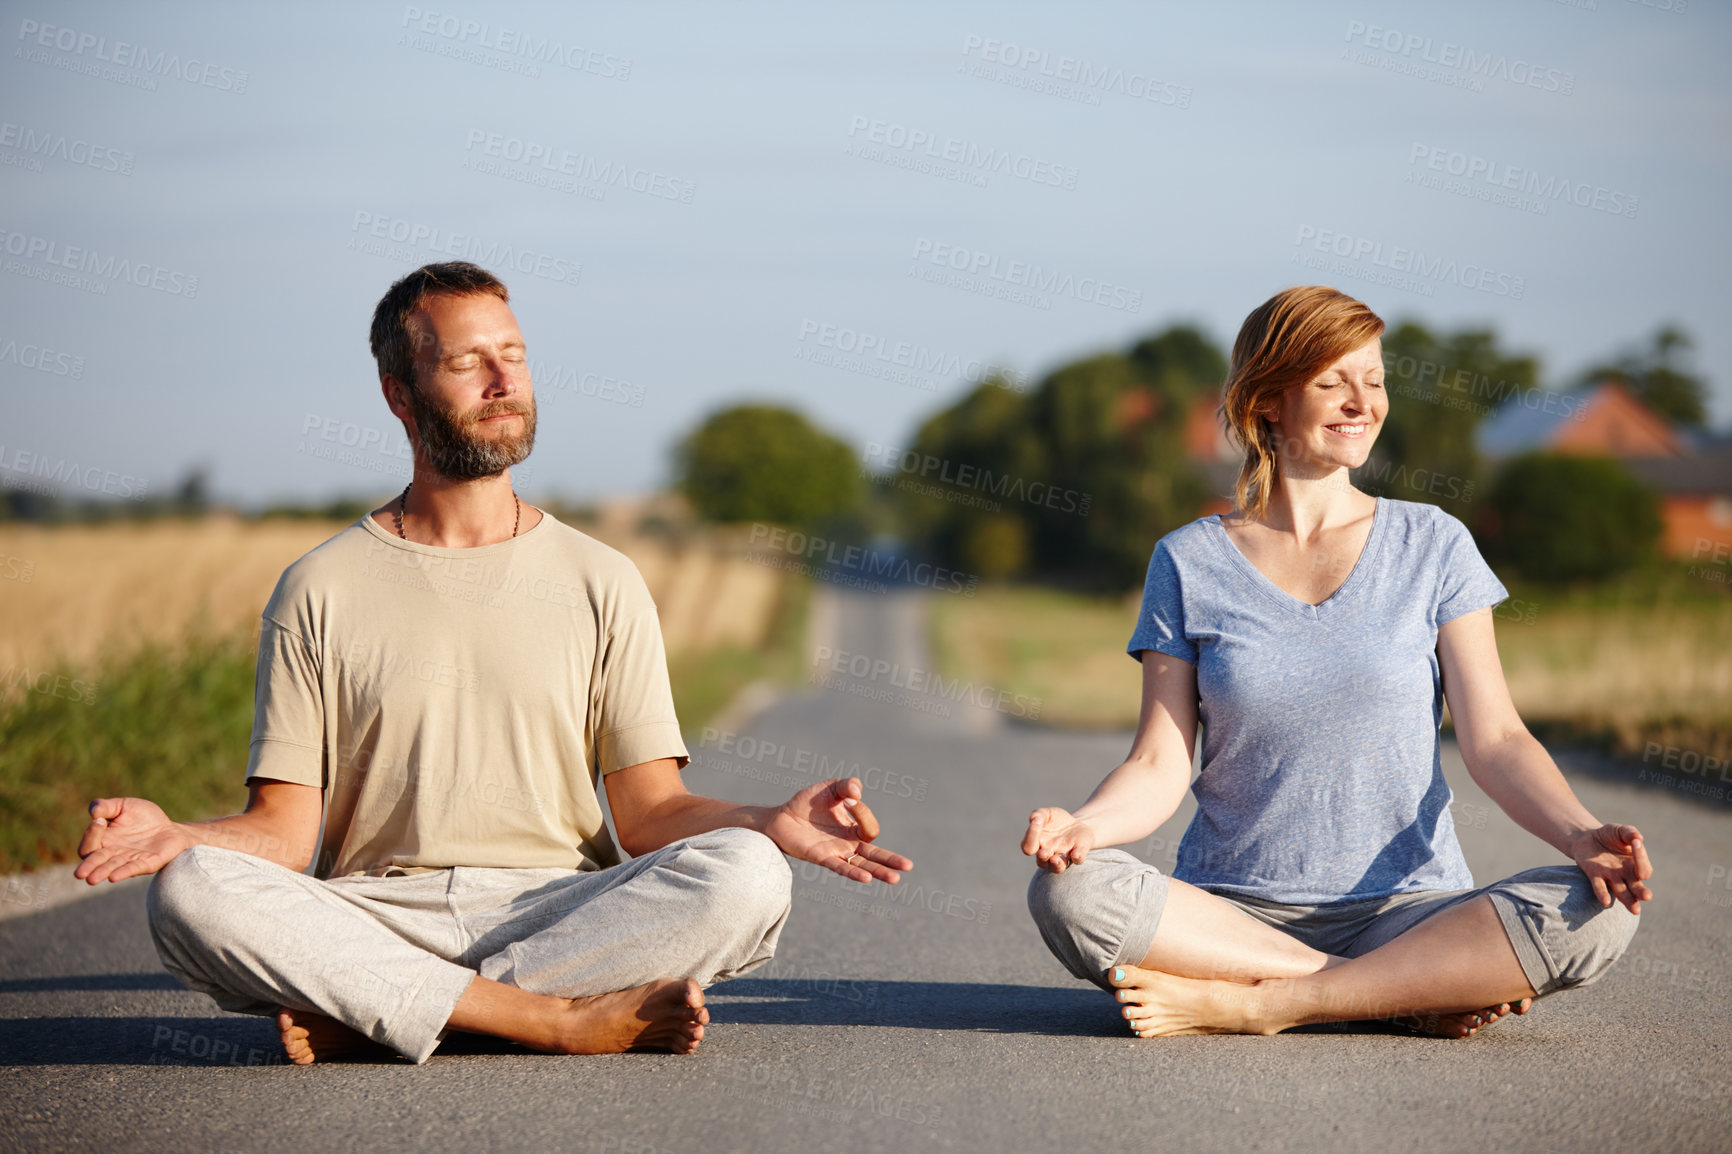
x=1315, y=634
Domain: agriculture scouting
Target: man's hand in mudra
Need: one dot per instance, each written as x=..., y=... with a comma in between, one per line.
x=127, y=837
x=828, y=824
x=1616, y=863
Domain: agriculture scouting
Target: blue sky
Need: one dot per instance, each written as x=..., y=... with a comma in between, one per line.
x=941, y=186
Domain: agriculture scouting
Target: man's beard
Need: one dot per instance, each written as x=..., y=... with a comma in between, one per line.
x=455, y=451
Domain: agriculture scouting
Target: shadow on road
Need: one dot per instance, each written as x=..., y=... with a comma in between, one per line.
x=999, y=1009
x=227, y=1041
x=156, y=981
x=240, y=1040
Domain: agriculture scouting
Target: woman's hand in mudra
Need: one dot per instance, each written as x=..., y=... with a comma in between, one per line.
x=1057, y=839
x=1616, y=863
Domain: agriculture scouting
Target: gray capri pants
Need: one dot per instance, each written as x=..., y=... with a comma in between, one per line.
x=391, y=956
x=1104, y=913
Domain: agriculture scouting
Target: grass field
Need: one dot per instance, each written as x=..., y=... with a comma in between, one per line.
x=127, y=655
x=1647, y=660
x=1068, y=651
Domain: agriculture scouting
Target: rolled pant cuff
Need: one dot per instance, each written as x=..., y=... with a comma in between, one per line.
x=417, y=1028
x=1541, y=973
x=1140, y=929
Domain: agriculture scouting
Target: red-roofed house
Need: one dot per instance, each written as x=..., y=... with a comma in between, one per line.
x=1694, y=483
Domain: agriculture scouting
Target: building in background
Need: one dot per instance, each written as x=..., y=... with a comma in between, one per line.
x=1690, y=470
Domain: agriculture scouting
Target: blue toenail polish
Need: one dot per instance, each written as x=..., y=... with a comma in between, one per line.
x=1118, y=975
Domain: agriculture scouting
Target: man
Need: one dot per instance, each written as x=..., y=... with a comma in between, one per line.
x=439, y=687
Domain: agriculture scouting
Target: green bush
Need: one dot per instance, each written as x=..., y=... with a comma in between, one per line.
x=767, y=463
x=1091, y=465
x=1567, y=518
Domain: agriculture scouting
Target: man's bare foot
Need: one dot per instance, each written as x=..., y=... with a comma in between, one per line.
x=1158, y=1005
x=668, y=1015
x=1467, y=1025
x=310, y=1037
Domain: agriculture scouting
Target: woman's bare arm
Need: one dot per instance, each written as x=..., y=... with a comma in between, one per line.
x=1520, y=776
x=1142, y=791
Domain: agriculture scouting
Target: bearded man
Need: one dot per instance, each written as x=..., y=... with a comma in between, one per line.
x=440, y=686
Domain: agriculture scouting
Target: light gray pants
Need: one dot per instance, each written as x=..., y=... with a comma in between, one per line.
x=1105, y=912
x=390, y=956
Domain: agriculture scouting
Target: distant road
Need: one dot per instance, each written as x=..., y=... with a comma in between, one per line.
x=928, y=1017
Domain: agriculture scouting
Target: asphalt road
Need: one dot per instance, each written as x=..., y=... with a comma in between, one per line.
x=926, y=1017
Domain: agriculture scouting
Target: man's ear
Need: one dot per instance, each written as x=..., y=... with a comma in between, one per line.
x=396, y=396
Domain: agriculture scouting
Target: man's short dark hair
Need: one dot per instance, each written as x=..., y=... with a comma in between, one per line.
x=391, y=338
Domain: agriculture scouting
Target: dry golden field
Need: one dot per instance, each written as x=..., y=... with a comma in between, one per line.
x=71, y=594
x=1660, y=672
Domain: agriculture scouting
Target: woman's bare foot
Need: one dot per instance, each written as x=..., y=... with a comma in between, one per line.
x=668, y=1015
x=1158, y=1005
x=1467, y=1025
x=310, y=1037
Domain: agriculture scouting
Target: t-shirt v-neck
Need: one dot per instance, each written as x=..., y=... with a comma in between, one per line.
x=1366, y=562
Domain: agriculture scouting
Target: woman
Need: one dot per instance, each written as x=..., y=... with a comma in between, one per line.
x=1315, y=633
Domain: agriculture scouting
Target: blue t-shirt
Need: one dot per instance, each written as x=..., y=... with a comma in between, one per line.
x=1322, y=776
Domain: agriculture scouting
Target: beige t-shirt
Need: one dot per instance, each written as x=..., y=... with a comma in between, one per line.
x=457, y=706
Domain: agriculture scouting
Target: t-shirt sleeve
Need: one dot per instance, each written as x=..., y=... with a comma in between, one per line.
x=633, y=716
x=1161, y=621
x=288, y=710
x=1465, y=582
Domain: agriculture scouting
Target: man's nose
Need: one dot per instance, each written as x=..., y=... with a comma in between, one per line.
x=501, y=378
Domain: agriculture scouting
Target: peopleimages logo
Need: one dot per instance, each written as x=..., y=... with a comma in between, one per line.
x=40, y=144
x=21, y=678
x=580, y=167
x=970, y=157
x=1432, y=380
x=91, y=479
x=753, y=753
x=512, y=42
x=379, y=228
x=1497, y=176
x=122, y=54
x=1452, y=59
x=45, y=256
x=42, y=359
x=867, y=669
x=1408, y=267
x=821, y=551
x=976, y=269
x=1004, y=485
x=1087, y=77
x=919, y=359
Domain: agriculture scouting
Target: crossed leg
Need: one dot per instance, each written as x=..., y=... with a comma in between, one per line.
x=1213, y=969
x=393, y=976
x=666, y=1015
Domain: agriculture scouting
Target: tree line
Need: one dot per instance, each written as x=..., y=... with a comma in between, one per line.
x=1074, y=480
